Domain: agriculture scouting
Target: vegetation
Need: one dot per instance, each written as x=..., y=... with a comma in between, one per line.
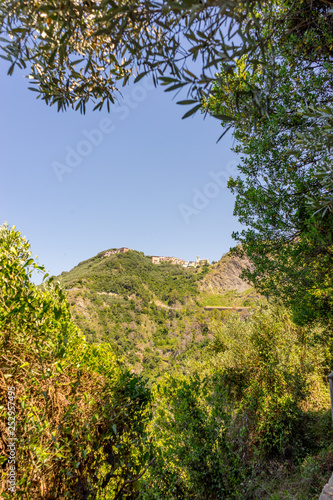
x=133, y=273
x=239, y=407
x=280, y=180
x=230, y=298
x=77, y=52
x=151, y=314
x=250, y=418
x=241, y=411
x=79, y=415
x=80, y=51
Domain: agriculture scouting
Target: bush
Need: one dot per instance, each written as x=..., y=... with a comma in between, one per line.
x=80, y=416
x=257, y=398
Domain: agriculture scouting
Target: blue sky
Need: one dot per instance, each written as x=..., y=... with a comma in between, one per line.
x=139, y=176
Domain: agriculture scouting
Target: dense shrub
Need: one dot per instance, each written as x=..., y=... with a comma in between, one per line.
x=80, y=416
x=256, y=398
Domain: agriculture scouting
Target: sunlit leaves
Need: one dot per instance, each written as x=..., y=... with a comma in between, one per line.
x=108, y=41
x=284, y=191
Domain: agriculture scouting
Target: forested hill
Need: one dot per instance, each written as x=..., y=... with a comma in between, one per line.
x=133, y=273
x=152, y=313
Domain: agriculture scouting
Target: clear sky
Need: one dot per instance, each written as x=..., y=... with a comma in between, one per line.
x=139, y=177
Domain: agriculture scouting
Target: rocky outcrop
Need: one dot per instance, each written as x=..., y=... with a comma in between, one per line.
x=225, y=275
x=327, y=493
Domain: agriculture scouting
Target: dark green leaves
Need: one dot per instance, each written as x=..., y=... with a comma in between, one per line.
x=192, y=111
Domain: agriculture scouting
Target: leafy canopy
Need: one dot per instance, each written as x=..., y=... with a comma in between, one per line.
x=280, y=179
x=78, y=51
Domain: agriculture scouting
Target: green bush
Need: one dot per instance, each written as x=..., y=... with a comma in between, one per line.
x=80, y=415
x=256, y=398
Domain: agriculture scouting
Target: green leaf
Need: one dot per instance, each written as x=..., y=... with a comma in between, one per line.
x=166, y=80
x=192, y=111
x=28, y=262
x=141, y=75
x=225, y=118
x=57, y=313
x=187, y=101
x=175, y=87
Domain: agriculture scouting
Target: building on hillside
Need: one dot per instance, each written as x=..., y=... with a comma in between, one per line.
x=174, y=260
x=109, y=252
x=156, y=259
x=202, y=262
x=117, y=250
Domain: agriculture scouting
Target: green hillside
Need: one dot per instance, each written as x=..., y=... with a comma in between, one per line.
x=212, y=366
x=236, y=406
x=133, y=273
x=152, y=314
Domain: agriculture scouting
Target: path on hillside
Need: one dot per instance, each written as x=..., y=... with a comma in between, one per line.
x=223, y=308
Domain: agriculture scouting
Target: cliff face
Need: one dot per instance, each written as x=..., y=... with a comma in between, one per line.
x=225, y=275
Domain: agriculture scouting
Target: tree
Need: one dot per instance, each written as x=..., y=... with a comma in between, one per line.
x=81, y=51
x=290, y=246
x=78, y=51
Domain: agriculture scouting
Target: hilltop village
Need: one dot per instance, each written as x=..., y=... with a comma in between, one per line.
x=173, y=260
x=157, y=259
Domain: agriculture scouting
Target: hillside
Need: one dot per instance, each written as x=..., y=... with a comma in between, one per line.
x=243, y=415
x=152, y=314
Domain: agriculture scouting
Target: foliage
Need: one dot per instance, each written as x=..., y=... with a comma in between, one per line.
x=150, y=313
x=245, y=415
x=256, y=400
x=80, y=51
x=230, y=298
x=133, y=273
x=288, y=244
x=84, y=50
x=80, y=415
x=225, y=421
